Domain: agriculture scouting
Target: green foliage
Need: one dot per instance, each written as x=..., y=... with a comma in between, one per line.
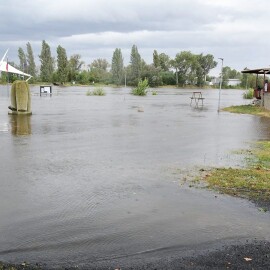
x=98, y=91
x=83, y=77
x=62, y=65
x=250, y=80
x=98, y=71
x=248, y=94
x=168, y=78
x=135, y=66
x=22, y=58
x=152, y=74
x=141, y=89
x=46, y=68
x=117, y=67
x=205, y=64
x=156, y=62
x=164, y=61
x=228, y=73
x=154, y=93
x=74, y=64
x=186, y=64
x=100, y=64
x=31, y=62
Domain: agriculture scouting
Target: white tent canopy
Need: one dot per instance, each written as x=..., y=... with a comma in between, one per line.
x=4, y=66
x=10, y=69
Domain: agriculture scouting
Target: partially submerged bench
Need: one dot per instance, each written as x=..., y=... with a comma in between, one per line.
x=197, y=97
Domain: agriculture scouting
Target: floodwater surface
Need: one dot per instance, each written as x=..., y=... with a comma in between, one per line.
x=89, y=179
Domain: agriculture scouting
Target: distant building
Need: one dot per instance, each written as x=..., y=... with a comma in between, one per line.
x=233, y=82
x=215, y=81
x=229, y=82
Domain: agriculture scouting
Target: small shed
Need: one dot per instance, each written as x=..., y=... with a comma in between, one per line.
x=263, y=93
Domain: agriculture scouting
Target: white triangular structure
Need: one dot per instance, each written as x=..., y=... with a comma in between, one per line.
x=10, y=69
x=4, y=66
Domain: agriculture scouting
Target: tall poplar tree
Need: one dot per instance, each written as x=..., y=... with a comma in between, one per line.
x=156, y=59
x=62, y=64
x=117, y=66
x=31, y=61
x=22, y=58
x=135, y=65
x=46, y=68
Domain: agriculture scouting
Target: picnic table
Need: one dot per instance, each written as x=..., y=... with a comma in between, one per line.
x=197, y=97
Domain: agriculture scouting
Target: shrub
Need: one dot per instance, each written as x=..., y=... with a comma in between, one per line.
x=98, y=91
x=248, y=94
x=154, y=93
x=140, y=90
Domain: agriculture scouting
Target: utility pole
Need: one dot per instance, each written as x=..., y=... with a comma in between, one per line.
x=220, y=84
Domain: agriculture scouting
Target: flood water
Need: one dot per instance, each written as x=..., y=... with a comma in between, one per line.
x=89, y=179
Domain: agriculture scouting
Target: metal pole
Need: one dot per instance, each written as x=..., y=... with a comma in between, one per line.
x=220, y=84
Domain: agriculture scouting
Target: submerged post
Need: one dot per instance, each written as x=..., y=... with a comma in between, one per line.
x=20, y=98
x=220, y=83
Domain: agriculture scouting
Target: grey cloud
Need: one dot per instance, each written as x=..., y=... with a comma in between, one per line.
x=226, y=28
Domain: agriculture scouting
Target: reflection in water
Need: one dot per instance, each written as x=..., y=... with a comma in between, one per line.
x=20, y=124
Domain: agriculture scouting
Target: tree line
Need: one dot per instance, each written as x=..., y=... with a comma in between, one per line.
x=185, y=69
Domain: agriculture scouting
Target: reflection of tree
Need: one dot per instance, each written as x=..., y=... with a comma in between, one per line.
x=20, y=124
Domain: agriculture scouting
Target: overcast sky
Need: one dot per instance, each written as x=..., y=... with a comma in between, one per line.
x=236, y=30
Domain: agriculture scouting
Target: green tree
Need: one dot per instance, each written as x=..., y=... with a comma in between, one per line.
x=47, y=62
x=100, y=64
x=156, y=62
x=83, y=77
x=168, y=78
x=164, y=61
x=31, y=61
x=117, y=67
x=186, y=64
x=205, y=64
x=135, y=66
x=62, y=64
x=98, y=71
x=152, y=74
x=75, y=65
x=228, y=73
x=22, y=58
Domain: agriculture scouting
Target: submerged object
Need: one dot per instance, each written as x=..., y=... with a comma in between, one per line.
x=20, y=98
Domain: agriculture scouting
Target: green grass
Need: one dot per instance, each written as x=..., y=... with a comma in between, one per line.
x=22, y=266
x=248, y=109
x=248, y=94
x=252, y=182
x=98, y=91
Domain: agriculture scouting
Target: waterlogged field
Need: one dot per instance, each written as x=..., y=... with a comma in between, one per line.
x=89, y=179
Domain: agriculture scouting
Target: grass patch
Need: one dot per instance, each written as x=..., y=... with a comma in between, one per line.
x=98, y=91
x=22, y=266
x=252, y=183
x=248, y=109
x=248, y=94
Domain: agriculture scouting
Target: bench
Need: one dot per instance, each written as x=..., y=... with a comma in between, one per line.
x=197, y=97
